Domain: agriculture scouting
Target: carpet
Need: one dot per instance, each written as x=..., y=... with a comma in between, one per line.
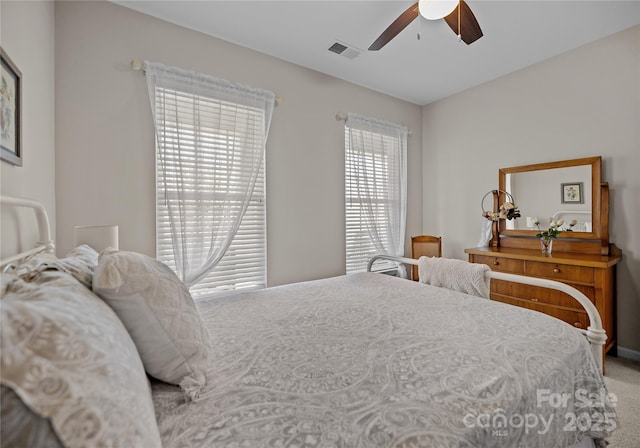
x=623, y=379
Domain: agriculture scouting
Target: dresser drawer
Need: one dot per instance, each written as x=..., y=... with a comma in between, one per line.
x=560, y=272
x=537, y=294
x=501, y=264
x=578, y=319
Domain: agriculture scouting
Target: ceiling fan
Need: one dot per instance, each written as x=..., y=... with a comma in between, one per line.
x=456, y=13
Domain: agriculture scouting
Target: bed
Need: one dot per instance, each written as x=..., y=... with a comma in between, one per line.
x=364, y=360
x=582, y=219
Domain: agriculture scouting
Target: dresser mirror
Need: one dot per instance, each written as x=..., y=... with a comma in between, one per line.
x=569, y=190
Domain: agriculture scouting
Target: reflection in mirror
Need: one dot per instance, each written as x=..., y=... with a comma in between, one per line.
x=559, y=193
x=568, y=189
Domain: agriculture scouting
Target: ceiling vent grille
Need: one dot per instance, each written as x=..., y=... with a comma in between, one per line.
x=348, y=51
x=337, y=48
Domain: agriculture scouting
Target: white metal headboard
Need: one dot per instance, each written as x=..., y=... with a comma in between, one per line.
x=45, y=243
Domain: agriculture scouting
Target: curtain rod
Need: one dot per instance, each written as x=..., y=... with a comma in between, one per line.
x=136, y=64
x=342, y=116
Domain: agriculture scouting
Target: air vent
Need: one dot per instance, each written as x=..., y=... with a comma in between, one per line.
x=346, y=50
x=337, y=48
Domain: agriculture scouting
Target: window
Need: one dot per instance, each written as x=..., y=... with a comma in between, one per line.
x=210, y=187
x=375, y=191
x=244, y=263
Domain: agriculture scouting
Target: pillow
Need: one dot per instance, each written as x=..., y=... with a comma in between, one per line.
x=79, y=263
x=458, y=275
x=68, y=357
x=157, y=309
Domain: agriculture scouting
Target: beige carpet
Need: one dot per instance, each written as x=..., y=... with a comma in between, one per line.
x=623, y=379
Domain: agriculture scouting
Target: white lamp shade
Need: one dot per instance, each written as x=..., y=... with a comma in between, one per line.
x=97, y=237
x=436, y=9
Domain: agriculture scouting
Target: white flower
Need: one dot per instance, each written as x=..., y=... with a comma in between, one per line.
x=560, y=222
x=536, y=221
x=553, y=223
x=573, y=222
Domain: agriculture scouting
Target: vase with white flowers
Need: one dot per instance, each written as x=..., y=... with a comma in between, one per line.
x=547, y=236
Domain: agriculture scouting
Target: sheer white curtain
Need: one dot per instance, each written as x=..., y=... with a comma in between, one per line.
x=211, y=136
x=378, y=174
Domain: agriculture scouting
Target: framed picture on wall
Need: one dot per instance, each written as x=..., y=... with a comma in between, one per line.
x=10, y=111
x=572, y=193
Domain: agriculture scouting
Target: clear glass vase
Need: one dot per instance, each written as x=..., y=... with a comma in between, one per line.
x=546, y=244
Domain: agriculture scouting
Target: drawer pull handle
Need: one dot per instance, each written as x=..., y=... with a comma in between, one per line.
x=534, y=300
x=556, y=270
x=577, y=324
x=496, y=263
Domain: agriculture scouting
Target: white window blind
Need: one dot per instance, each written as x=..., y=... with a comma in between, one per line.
x=375, y=190
x=209, y=157
x=243, y=266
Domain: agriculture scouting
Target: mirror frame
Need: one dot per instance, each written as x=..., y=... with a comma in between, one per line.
x=596, y=206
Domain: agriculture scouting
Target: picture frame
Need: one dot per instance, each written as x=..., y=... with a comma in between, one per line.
x=571, y=193
x=10, y=111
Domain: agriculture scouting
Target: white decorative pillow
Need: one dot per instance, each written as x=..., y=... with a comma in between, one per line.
x=79, y=263
x=68, y=357
x=158, y=310
x=457, y=275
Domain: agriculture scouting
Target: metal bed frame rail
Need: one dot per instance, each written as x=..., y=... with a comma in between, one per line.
x=595, y=334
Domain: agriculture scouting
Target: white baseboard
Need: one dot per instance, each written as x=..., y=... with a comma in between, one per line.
x=628, y=353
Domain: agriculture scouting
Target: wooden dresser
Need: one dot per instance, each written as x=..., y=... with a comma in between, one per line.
x=593, y=275
x=583, y=259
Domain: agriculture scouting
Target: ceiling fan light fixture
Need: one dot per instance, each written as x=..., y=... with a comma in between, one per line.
x=436, y=9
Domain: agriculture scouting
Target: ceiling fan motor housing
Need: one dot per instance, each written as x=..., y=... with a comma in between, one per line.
x=436, y=9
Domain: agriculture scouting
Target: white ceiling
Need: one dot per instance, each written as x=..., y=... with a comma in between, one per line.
x=517, y=33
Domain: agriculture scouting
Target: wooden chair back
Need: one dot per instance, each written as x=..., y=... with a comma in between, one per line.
x=424, y=245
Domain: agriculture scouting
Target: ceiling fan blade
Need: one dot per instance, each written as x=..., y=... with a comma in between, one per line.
x=398, y=25
x=469, y=28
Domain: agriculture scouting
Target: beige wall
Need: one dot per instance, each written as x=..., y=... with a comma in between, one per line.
x=582, y=103
x=26, y=34
x=105, y=146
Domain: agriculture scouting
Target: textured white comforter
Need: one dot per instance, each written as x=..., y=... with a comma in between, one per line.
x=369, y=360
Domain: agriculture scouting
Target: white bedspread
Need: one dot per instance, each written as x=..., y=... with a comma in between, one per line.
x=369, y=360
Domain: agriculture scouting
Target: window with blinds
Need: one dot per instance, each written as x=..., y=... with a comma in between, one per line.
x=210, y=179
x=374, y=172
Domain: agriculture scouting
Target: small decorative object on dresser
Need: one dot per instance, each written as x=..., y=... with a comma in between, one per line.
x=507, y=210
x=584, y=260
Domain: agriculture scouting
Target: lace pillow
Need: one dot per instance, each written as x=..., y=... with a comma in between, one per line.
x=157, y=309
x=79, y=263
x=69, y=358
